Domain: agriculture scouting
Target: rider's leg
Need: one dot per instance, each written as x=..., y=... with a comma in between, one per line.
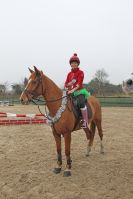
x=84, y=113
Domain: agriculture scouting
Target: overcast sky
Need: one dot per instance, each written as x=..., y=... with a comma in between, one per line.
x=46, y=33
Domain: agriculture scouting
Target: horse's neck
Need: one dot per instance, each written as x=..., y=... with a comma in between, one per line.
x=51, y=92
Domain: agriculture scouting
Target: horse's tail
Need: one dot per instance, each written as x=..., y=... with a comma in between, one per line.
x=96, y=107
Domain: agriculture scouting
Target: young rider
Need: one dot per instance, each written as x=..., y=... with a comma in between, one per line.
x=74, y=85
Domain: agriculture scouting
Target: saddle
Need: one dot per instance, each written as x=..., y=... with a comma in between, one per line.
x=76, y=108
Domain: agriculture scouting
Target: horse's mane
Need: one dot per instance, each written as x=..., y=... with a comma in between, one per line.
x=51, y=85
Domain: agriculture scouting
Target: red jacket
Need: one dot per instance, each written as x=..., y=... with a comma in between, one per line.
x=78, y=76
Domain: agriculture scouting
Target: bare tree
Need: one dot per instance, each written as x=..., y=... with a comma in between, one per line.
x=3, y=88
x=25, y=81
x=101, y=77
x=17, y=89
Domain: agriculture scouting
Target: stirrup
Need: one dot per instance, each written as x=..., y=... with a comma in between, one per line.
x=83, y=124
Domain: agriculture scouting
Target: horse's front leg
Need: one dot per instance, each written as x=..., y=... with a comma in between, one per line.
x=57, y=137
x=67, y=139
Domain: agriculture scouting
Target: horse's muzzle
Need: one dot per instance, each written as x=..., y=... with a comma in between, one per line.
x=24, y=99
x=24, y=102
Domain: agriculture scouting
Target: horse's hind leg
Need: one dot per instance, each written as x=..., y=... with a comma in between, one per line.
x=89, y=137
x=100, y=132
x=57, y=137
x=90, y=133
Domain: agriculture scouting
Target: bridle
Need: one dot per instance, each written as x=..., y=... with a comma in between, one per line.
x=34, y=95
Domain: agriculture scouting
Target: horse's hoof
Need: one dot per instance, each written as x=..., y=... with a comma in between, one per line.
x=102, y=150
x=67, y=173
x=57, y=170
x=87, y=155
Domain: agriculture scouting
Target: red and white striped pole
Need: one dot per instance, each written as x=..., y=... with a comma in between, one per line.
x=29, y=119
x=3, y=114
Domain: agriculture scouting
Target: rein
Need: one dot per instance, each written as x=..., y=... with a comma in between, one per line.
x=52, y=120
x=52, y=100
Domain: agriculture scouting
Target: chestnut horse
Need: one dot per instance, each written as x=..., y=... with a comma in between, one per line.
x=61, y=116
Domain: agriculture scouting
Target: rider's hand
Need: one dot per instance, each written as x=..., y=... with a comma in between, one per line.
x=71, y=91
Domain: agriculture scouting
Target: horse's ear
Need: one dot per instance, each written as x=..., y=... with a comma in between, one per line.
x=31, y=71
x=36, y=70
x=41, y=72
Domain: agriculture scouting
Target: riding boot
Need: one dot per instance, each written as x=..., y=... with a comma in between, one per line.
x=84, y=113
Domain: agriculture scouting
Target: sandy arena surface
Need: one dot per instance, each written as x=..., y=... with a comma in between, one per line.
x=28, y=156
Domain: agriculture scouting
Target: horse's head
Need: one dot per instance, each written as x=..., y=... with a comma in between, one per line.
x=127, y=85
x=34, y=87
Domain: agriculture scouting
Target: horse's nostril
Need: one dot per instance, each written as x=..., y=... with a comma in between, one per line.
x=129, y=82
x=22, y=101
